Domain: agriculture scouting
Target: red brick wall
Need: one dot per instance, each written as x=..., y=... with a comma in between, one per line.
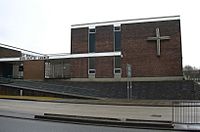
x=141, y=54
x=4, y=52
x=34, y=70
x=79, y=68
x=79, y=40
x=104, y=39
x=104, y=67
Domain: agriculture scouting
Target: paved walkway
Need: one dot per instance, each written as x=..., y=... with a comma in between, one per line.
x=122, y=102
x=28, y=109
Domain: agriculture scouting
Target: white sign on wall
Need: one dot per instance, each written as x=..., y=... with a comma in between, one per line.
x=33, y=58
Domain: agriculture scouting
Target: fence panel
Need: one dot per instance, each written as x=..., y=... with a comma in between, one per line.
x=186, y=112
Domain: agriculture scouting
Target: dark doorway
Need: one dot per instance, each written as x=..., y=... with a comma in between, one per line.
x=7, y=70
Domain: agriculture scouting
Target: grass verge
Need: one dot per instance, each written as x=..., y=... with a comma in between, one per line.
x=36, y=98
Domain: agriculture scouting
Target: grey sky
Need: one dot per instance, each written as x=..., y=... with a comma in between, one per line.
x=44, y=25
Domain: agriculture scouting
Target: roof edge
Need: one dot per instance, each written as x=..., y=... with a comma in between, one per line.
x=118, y=22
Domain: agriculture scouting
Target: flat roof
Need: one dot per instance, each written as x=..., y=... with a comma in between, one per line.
x=119, y=22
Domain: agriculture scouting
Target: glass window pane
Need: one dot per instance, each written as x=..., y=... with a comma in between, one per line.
x=91, y=63
x=117, y=41
x=21, y=68
x=91, y=42
x=92, y=71
x=117, y=70
x=117, y=28
x=92, y=30
x=118, y=62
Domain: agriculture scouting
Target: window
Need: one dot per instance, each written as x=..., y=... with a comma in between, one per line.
x=117, y=28
x=21, y=68
x=91, y=49
x=92, y=30
x=117, y=38
x=92, y=40
x=117, y=47
x=117, y=69
x=92, y=71
x=117, y=62
x=91, y=64
x=57, y=69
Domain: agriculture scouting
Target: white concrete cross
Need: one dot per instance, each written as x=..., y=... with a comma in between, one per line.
x=158, y=38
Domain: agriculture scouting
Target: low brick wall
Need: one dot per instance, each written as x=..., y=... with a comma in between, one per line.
x=158, y=90
x=161, y=90
x=171, y=90
x=16, y=92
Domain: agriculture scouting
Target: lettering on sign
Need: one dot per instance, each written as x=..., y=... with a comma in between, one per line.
x=34, y=58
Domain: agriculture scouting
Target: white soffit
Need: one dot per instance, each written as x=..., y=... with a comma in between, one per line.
x=86, y=55
x=67, y=56
x=9, y=59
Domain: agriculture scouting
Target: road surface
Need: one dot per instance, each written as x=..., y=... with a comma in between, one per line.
x=26, y=125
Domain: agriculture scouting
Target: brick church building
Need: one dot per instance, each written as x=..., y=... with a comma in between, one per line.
x=139, y=49
x=152, y=47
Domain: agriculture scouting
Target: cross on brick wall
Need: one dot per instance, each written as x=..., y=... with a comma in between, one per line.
x=158, y=39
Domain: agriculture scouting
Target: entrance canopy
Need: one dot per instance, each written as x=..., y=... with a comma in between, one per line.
x=60, y=56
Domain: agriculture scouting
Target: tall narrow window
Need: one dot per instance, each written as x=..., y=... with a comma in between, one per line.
x=117, y=47
x=117, y=61
x=91, y=40
x=91, y=63
x=91, y=68
x=117, y=40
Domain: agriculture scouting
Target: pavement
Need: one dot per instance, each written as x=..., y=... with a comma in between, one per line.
x=120, y=102
x=28, y=109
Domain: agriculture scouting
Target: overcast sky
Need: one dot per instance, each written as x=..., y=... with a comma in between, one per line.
x=44, y=25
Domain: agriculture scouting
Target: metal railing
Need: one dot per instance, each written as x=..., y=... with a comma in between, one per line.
x=186, y=112
x=193, y=79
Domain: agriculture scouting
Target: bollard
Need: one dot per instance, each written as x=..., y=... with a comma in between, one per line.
x=21, y=92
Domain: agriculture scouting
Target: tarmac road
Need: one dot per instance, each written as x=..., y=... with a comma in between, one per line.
x=26, y=125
